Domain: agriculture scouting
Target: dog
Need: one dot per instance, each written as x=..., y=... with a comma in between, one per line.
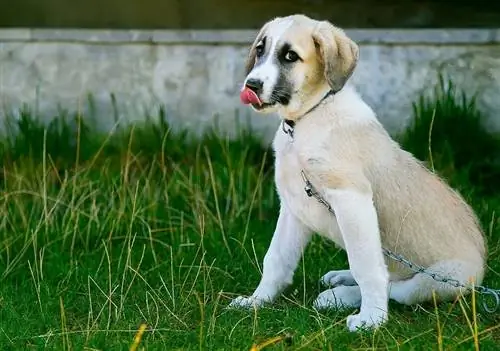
x=381, y=195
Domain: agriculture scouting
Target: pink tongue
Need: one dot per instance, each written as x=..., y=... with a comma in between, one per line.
x=248, y=96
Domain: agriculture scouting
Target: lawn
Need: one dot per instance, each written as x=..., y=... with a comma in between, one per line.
x=103, y=232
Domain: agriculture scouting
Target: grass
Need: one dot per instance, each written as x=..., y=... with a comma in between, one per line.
x=101, y=234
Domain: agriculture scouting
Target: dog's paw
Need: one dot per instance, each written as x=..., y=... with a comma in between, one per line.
x=340, y=297
x=336, y=278
x=242, y=302
x=366, y=320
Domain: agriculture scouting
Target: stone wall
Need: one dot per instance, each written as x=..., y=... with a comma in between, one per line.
x=196, y=75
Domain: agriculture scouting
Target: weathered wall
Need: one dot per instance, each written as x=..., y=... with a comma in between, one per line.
x=197, y=74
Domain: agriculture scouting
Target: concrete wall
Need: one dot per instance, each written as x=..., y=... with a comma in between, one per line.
x=197, y=74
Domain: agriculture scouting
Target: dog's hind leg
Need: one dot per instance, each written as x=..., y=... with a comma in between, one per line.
x=420, y=287
x=336, y=278
x=340, y=297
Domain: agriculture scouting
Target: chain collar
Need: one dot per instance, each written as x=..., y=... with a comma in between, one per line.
x=288, y=125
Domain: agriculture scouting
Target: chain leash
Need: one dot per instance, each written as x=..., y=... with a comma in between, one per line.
x=485, y=292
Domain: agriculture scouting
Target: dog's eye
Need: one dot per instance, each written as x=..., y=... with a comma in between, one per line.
x=259, y=50
x=291, y=56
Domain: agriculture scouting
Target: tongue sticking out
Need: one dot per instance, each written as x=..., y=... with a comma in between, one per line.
x=248, y=96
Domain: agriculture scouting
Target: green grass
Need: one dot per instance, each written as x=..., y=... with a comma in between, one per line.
x=100, y=233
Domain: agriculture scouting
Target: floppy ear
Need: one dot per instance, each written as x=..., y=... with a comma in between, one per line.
x=338, y=53
x=251, y=55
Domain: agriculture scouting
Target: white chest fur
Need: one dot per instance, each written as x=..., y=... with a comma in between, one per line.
x=290, y=186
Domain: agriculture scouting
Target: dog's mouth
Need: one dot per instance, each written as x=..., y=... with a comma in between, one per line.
x=263, y=105
x=250, y=97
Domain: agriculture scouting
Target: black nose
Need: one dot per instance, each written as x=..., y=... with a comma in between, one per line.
x=254, y=84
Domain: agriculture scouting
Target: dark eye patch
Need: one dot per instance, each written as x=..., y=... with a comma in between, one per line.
x=282, y=93
x=287, y=55
x=260, y=48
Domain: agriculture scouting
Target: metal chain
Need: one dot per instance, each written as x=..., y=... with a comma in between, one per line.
x=482, y=290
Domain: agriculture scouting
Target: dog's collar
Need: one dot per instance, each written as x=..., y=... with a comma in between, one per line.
x=288, y=125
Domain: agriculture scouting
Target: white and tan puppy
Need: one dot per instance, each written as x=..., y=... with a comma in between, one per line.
x=381, y=195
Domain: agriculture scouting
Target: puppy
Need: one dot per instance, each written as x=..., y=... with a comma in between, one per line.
x=381, y=196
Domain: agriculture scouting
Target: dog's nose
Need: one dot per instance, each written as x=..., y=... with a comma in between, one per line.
x=254, y=84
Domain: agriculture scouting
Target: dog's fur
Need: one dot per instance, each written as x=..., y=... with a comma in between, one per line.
x=382, y=196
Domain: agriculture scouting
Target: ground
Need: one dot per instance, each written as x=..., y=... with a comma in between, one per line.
x=101, y=233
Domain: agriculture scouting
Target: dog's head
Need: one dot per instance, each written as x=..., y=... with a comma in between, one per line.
x=295, y=60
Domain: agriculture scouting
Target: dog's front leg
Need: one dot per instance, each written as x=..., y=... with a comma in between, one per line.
x=358, y=223
x=290, y=238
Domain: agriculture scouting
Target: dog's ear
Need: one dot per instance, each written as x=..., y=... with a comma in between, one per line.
x=250, y=62
x=338, y=53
